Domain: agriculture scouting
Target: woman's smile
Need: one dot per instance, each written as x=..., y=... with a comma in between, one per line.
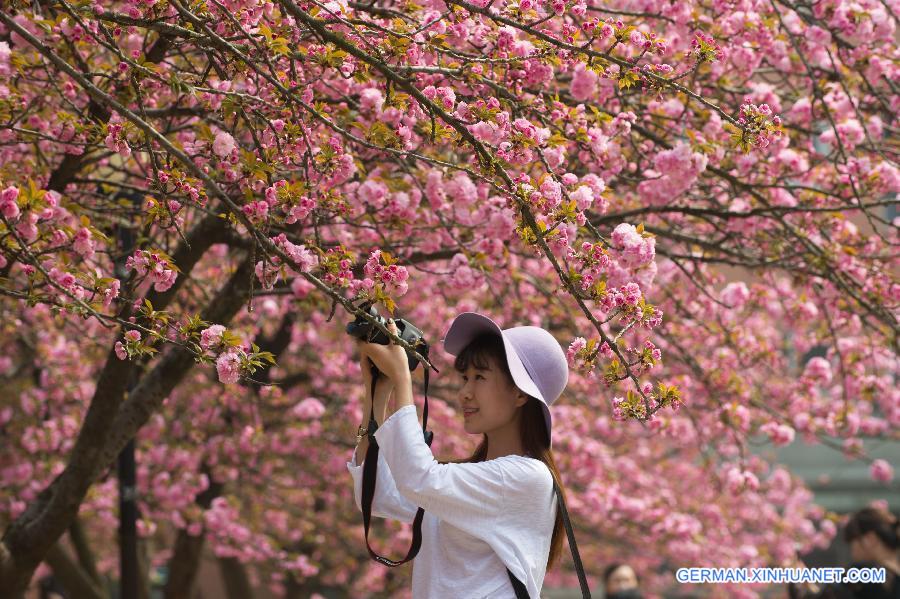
x=469, y=411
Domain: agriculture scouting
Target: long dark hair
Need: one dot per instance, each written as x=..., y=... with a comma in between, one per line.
x=885, y=525
x=533, y=430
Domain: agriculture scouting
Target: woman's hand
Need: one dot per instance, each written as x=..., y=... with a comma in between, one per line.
x=365, y=364
x=391, y=359
x=384, y=388
x=383, y=384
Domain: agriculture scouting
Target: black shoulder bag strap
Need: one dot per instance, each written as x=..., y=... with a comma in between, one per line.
x=370, y=472
x=519, y=587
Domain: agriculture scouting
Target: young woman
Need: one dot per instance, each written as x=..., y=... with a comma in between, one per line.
x=495, y=510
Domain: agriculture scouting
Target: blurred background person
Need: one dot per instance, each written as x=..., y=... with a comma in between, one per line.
x=873, y=536
x=621, y=582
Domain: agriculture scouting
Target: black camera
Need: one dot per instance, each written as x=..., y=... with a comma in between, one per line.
x=363, y=329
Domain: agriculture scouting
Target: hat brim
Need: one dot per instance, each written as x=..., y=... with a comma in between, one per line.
x=469, y=325
x=466, y=327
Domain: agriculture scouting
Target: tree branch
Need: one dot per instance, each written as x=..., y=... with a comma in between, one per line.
x=75, y=580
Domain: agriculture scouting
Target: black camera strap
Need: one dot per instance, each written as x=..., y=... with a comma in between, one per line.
x=370, y=475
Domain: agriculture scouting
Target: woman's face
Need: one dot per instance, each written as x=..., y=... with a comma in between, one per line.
x=622, y=578
x=488, y=401
x=865, y=548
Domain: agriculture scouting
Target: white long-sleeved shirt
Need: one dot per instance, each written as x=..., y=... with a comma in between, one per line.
x=480, y=518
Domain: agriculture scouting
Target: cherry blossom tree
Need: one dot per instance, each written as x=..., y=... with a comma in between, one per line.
x=696, y=198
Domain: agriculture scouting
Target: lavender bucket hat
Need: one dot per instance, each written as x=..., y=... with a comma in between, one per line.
x=536, y=361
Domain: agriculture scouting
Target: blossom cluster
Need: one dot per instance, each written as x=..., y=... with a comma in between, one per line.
x=758, y=126
x=388, y=275
x=270, y=270
x=155, y=266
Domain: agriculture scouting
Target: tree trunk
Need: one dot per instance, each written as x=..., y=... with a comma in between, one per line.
x=234, y=575
x=109, y=425
x=185, y=560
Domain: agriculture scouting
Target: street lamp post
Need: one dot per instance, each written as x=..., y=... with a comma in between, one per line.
x=129, y=577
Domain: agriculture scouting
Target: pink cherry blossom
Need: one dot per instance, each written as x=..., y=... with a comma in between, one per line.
x=83, y=243
x=8, y=206
x=228, y=367
x=818, y=369
x=584, y=83
x=735, y=295
x=224, y=144
x=633, y=249
x=211, y=336
x=780, y=434
x=881, y=471
x=308, y=409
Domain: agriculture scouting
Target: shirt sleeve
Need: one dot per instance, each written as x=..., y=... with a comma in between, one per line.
x=469, y=496
x=387, y=502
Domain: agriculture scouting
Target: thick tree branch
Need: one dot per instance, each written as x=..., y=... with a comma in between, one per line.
x=75, y=580
x=83, y=550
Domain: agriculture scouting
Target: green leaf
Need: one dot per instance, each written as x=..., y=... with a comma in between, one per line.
x=230, y=339
x=280, y=46
x=266, y=31
x=627, y=79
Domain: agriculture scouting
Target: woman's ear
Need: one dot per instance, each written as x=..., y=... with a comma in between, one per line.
x=521, y=399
